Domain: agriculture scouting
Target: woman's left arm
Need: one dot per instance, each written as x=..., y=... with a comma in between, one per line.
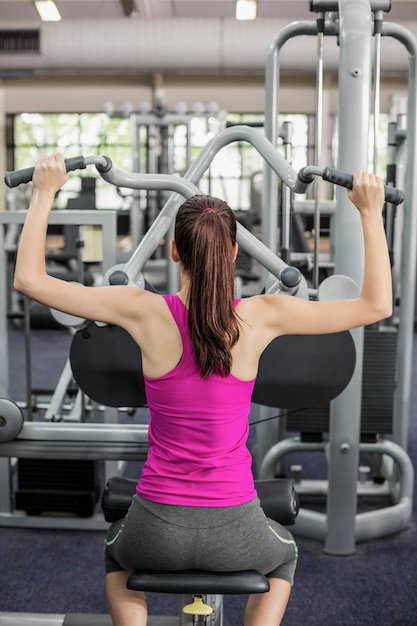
x=289, y=315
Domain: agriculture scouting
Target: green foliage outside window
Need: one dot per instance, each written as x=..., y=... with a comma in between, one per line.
x=231, y=174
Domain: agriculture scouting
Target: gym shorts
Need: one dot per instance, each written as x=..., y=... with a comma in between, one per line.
x=167, y=537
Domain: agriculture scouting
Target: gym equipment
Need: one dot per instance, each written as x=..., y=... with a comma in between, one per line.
x=340, y=526
x=298, y=182
x=29, y=439
x=279, y=501
x=294, y=371
x=76, y=619
x=57, y=486
x=11, y=420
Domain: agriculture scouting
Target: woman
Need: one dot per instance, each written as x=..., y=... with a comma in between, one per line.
x=196, y=506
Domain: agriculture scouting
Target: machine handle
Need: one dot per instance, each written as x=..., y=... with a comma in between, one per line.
x=343, y=179
x=13, y=179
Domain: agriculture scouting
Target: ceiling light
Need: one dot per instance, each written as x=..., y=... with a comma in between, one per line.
x=47, y=10
x=246, y=9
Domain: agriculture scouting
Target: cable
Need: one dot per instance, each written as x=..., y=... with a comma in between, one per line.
x=274, y=417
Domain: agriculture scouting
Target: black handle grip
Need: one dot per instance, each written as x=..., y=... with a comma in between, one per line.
x=13, y=179
x=343, y=179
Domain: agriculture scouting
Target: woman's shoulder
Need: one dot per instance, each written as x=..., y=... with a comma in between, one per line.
x=259, y=304
x=263, y=313
x=144, y=304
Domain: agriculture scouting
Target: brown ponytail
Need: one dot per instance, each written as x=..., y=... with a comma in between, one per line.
x=204, y=241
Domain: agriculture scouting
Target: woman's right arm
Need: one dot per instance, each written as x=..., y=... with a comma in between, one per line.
x=114, y=305
x=291, y=315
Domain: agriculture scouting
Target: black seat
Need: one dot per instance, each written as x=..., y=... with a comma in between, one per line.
x=198, y=582
x=279, y=501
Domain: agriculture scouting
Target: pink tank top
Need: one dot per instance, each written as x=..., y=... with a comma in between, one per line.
x=197, y=433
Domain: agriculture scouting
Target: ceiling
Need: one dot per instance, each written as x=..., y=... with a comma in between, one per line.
x=157, y=35
x=24, y=10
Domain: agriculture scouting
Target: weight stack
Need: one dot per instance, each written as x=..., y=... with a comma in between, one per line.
x=58, y=486
x=378, y=392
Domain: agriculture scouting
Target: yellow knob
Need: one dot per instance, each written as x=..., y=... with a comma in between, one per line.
x=197, y=607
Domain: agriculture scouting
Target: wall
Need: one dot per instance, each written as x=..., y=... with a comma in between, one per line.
x=55, y=93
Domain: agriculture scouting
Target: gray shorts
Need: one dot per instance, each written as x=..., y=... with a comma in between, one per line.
x=164, y=537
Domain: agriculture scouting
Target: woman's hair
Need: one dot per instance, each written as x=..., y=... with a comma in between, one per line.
x=205, y=233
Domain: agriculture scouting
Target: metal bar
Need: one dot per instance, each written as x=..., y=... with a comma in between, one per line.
x=370, y=525
x=286, y=208
x=409, y=245
x=355, y=37
x=318, y=142
x=377, y=86
x=186, y=186
x=74, y=450
x=4, y=346
x=60, y=391
x=85, y=432
x=328, y=5
x=107, y=219
x=270, y=194
x=259, y=251
x=389, y=520
x=31, y=619
x=49, y=619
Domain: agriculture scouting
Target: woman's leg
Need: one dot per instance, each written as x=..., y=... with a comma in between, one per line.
x=127, y=608
x=267, y=609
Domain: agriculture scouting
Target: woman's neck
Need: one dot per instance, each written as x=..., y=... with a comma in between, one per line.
x=183, y=293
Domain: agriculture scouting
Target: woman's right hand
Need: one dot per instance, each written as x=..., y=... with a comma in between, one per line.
x=367, y=193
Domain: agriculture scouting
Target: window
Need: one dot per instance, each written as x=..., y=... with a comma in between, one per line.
x=87, y=134
x=235, y=173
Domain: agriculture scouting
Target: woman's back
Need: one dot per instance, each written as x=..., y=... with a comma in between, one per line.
x=160, y=340
x=197, y=433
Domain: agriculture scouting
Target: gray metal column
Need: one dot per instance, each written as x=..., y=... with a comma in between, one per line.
x=4, y=370
x=5, y=469
x=409, y=244
x=355, y=36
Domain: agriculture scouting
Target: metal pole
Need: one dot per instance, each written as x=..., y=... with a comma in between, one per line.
x=409, y=251
x=286, y=198
x=377, y=84
x=318, y=141
x=355, y=36
x=270, y=193
x=135, y=210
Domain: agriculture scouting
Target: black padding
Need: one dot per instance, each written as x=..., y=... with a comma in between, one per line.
x=117, y=497
x=107, y=365
x=197, y=581
x=298, y=371
x=295, y=371
x=278, y=498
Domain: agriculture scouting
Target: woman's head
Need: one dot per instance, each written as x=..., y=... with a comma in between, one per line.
x=193, y=224
x=205, y=238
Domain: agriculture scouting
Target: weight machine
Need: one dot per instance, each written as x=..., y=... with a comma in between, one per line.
x=340, y=526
